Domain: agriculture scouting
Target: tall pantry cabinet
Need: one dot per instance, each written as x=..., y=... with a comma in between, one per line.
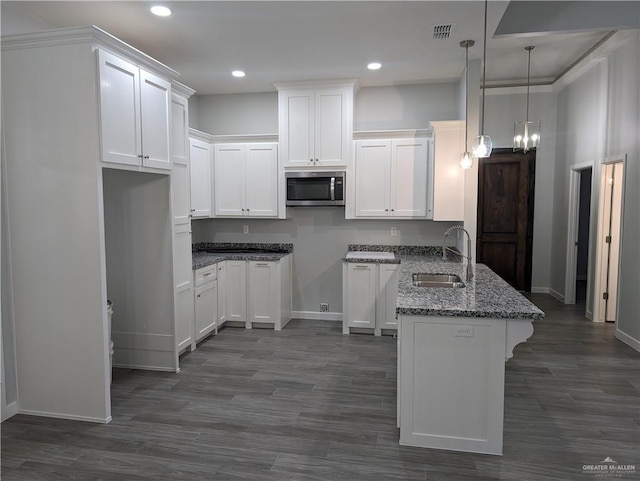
x=81, y=226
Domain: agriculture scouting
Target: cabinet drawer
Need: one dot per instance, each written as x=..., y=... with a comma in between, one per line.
x=206, y=274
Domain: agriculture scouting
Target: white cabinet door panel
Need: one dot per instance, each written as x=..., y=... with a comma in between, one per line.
x=330, y=131
x=222, y=293
x=179, y=130
x=263, y=299
x=409, y=178
x=261, y=185
x=387, y=296
x=184, y=317
x=372, y=178
x=155, y=95
x=362, y=288
x=236, y=291
x=229, y=174
x=119, y=110
x=200, y=153
x=206, y=303
x=180, y=194
x=300, y=128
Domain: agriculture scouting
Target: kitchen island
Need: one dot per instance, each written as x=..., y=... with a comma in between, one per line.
x=453, y=343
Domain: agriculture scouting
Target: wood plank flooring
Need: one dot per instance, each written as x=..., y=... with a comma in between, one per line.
x=310, y=404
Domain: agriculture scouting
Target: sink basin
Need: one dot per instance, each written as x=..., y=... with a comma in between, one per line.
x=436, y=280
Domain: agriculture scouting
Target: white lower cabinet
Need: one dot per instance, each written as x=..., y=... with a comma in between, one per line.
x=258, y=291
x=205, y=301
x=369, y=296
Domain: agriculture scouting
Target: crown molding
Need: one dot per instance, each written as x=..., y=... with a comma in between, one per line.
x=391, y=134
x=354, y=83
x=200, y=135
x=91, y=35
x=182, y=89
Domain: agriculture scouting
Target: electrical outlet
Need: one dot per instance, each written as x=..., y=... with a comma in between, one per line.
x=245, y=229
x=463, y=331
x=394, y=231
x=324, y=307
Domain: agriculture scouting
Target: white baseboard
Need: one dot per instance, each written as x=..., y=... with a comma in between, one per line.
x=9, y=410
x=317, y=316
x=540, y=290
x=64, y=416
x=556, y=294
x=627, y=339
x=143, y=367
x=588, y=314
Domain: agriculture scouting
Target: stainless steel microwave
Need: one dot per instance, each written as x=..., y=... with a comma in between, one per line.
x=315, y=188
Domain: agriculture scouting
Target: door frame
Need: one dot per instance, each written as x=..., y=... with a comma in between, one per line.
x=597, y=300
x=572, y=232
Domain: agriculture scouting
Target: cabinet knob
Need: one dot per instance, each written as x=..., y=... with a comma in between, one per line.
x=386, y=210
x=198, y=295
x=140, y=156
x=316, y=161
x=393, y=210
x=248, y=210
x=146, y=156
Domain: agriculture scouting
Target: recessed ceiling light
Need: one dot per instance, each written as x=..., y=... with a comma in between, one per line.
x=374, y=66
x=238, y=73
x=160, y=11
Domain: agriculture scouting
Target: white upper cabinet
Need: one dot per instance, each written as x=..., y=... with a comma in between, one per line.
x=391, y=178
x=246, y=180
x=315, y=125
x=201, y=158
x=134, y=110
x=180, y=182
x=448, y=185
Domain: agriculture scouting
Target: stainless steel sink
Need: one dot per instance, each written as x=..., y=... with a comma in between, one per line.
x=421, y=279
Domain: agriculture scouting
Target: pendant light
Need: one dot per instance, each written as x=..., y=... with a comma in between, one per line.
x=482, y=144
x=467, y=158
x=526, y=135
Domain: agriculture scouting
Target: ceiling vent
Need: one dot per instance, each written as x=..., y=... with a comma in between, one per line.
x=443, y=31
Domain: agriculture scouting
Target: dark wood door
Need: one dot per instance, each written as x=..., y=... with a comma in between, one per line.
x=505, y=215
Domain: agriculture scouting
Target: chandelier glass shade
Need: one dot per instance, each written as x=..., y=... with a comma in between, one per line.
x=482, y=145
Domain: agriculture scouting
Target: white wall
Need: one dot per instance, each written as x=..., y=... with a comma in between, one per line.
x=14, y=21
x=320, y=236
x=238, y=113
x=503, y=108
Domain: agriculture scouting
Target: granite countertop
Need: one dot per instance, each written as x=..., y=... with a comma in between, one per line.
x=486, y=295
x=201, y=257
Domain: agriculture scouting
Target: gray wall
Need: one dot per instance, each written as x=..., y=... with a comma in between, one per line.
x=624, y=125
x=501, y=111
x=237, y=113
x=320, y=236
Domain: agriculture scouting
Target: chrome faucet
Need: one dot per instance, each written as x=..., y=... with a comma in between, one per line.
x=445, y=248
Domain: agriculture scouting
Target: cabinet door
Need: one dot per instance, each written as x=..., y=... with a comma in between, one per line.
x=262, y=292
x=237, y=291
x=119, y=110
x=261, y=175
x=222, y=293
x=229, y=175
x=297, y=135
x=409, y=178
x=361, y=295
x=200, y=158
x=373, y=159
x=448, y=177
x=206, y=307
x=331, y=132
x=387, y=296
x=183, y=279
x=155, y=97
x=180, y=190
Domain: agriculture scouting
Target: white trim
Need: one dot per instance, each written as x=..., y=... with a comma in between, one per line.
x=244, y=138
x=556, y=294
x=518, y=90
x=627, y=339
x=200, y=135
x=541, y=290
x=317, y=316
x=9, y=410
x=181, y=89
x=71, y=417
x=314, y=84
x=392, y=134
x=146, y=368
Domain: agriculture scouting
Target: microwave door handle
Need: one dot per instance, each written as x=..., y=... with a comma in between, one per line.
x=333, y=188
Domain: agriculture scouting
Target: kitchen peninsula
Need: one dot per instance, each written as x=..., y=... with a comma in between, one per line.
x=452, y=347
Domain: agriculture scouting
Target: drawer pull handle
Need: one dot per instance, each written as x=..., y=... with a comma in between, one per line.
x=262, y=264
x=207, y=274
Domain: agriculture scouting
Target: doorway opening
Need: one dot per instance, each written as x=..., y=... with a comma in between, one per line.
x=579, y=237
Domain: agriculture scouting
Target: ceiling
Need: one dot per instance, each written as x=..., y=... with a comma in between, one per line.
x=304, y=40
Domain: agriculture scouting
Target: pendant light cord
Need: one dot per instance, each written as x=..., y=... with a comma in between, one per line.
x=529, y=49
x=484, y=66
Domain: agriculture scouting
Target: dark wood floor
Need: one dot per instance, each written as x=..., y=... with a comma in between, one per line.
x=309, y=403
